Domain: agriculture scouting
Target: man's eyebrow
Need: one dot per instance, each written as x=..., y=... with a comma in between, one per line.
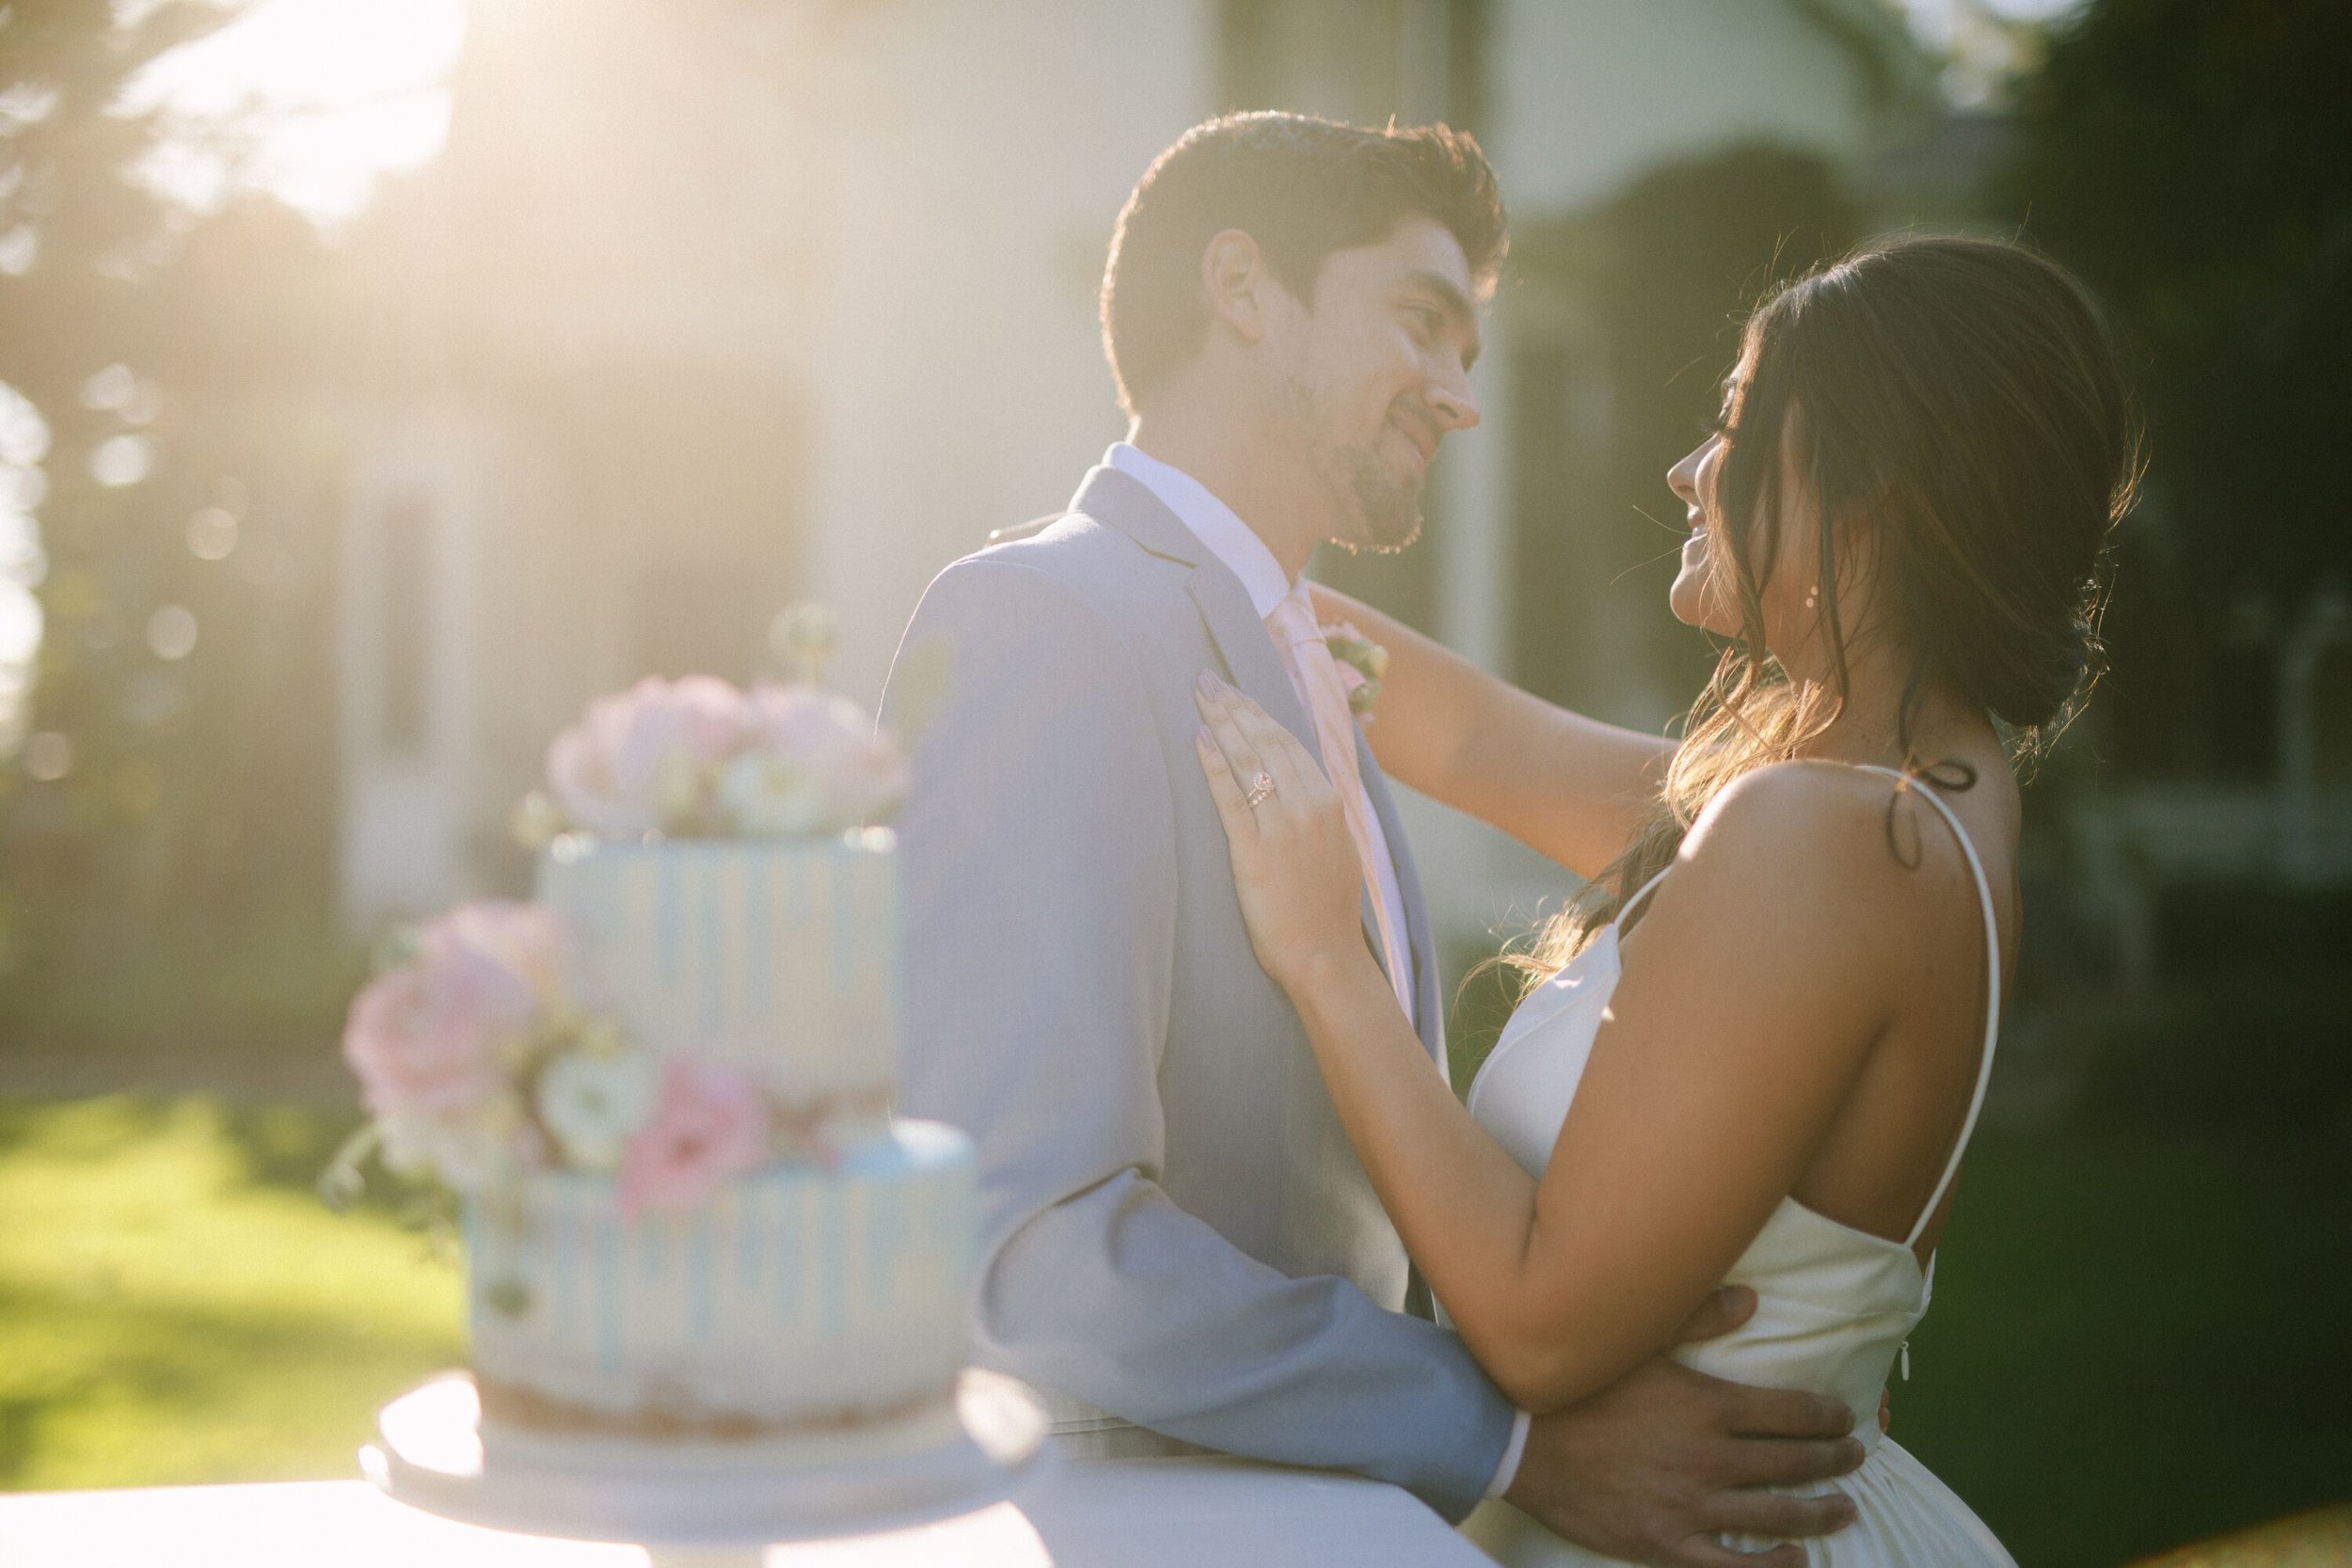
x=1451, y=300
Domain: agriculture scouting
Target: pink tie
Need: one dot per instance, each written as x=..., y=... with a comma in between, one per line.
x=1292, y=625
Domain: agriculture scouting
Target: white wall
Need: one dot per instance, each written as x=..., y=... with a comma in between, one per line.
x=1587, y=93
x=974, y=159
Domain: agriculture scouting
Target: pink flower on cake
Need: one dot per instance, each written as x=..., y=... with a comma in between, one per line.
x=646, y=760
x=710, y=1122
x=813, y=764
x=524, y=940
x=431, y=1038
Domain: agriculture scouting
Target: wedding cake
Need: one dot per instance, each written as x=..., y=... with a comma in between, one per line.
x=662, y=1091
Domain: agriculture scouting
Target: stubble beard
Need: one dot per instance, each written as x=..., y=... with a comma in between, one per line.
x=1386, y=507
x=1384, y=510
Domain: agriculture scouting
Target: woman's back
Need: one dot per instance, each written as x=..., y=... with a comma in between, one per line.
x=1835, y=1303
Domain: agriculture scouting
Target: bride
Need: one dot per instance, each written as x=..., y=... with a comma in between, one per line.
x=1758, y=1042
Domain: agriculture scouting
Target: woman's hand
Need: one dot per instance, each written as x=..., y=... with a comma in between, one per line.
x=1294, y=863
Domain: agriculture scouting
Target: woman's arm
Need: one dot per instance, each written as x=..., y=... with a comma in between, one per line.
x=1747, y=1002
x=1571, y=787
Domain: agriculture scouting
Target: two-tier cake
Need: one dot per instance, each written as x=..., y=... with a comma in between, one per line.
x=662, y=1093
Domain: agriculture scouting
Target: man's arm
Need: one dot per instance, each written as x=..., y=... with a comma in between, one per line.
x=1041, y=865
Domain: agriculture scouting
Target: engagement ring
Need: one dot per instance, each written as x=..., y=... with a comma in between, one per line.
x=1261, y=790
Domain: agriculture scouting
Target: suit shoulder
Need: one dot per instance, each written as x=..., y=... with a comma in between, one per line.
x=1094, y=565
x=1029, y=529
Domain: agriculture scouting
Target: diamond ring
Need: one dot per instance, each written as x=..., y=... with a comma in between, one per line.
x=1261, y=791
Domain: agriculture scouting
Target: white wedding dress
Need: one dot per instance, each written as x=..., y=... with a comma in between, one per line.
x=1834, y=1306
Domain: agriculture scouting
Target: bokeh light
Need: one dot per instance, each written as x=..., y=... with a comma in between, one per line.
x=213, y=533
x=48, y=757
x=121, y=460
x=171, y=632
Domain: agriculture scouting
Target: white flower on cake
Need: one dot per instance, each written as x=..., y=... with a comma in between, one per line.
x=813, y=763
x=592, y=1104
x=466, y=1148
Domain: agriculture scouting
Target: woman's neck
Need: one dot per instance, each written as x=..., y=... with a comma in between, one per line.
x=1869, y=726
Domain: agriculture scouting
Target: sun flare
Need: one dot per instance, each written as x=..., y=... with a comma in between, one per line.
x=341, y=91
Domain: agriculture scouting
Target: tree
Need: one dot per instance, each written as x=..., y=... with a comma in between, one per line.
x=2188, y=158
x=147, y=333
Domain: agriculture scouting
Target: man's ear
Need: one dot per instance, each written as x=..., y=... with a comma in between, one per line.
x=1234, y=278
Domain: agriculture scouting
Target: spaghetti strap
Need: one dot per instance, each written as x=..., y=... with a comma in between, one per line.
x=1992, y=984
x=1640, y=893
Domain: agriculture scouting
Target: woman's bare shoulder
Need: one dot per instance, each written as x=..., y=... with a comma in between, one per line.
x=1832, y=848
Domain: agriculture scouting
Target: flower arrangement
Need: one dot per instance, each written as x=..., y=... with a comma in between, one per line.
x=698, y=758
x=477, y=1068
x=475, y=1063
x=1362, y=663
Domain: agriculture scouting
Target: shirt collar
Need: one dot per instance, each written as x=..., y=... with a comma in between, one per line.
x=1231, y=540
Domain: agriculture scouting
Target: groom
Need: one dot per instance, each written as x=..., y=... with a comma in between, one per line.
x=1177, y=1243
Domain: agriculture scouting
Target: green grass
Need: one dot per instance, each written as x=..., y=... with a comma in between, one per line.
x=177, y=1306
x=2137, y=1340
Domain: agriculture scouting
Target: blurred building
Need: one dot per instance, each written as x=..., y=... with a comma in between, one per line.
x=710, y=305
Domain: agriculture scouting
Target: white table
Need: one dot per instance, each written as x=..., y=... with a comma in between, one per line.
x=1130, y=1513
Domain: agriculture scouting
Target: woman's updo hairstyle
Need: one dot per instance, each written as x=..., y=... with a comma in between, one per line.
x=1954, y=411
x=1959, y=401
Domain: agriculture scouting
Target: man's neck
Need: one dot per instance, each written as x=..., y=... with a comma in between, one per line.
x=1272, y=493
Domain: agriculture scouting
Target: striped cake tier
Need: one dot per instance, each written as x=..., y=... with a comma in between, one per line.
x=802, y=1298
x=776, y=955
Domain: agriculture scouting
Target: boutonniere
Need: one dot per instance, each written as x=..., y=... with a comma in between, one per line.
x=1361, y=662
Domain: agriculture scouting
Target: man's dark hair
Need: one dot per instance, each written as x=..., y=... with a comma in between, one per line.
x=1302, y=187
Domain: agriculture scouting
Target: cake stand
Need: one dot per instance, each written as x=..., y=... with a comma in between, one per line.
x=430, y=1455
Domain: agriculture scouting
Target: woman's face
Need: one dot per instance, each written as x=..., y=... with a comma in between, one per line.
x=1706, y=591
x=1702, y=594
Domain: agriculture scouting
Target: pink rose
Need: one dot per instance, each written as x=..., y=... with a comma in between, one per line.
x=426, y=1038
x=813, y=764
x=645, y=760
x=804, y=723
x=524, y=940
x=710, y=1122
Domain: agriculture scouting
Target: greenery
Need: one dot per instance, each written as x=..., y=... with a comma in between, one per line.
x=2137, y=1340
x=179, y=1306
x=2186, y=157
x=2132, y=1344
x=175, y=759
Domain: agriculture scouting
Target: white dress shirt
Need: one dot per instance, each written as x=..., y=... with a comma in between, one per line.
x=1238, y=547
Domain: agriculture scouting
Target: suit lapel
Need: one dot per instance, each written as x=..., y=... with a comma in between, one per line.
x=1253, y=664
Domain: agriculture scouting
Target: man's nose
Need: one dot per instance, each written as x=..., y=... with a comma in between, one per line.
x=1454, y=404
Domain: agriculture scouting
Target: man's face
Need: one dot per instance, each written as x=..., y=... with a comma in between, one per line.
x=1375, y=374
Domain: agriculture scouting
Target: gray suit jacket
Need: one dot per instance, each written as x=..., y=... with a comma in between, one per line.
x=1175, y=1234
